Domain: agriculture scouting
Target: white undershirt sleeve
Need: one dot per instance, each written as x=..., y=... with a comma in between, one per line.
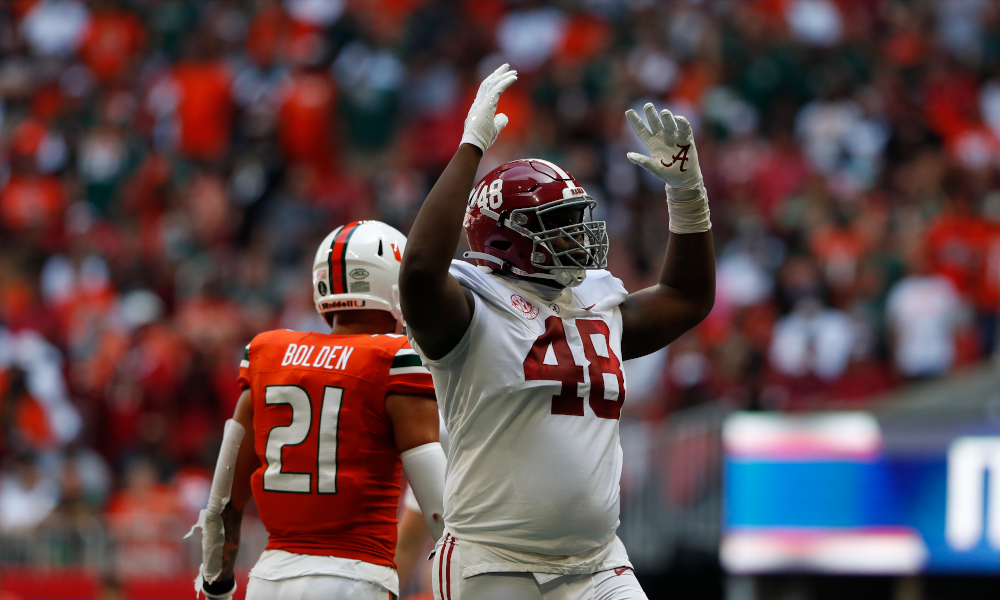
x=425, y=468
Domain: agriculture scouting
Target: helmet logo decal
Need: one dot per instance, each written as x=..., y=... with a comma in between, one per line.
x=343, y=304
x=359, y=273
x=396, y=252
x=321, y=288
x=526, y=309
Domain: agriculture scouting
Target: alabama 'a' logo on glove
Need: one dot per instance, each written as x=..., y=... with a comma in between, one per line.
x=670, y=142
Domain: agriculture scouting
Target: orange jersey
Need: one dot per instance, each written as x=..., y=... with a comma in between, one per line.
x=328, y=483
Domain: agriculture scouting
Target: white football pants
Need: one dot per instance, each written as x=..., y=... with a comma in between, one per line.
x=315, y=587
x=448, y=584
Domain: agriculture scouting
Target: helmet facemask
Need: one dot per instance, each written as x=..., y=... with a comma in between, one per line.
x=568, y=241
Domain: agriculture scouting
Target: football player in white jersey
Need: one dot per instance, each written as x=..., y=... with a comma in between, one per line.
x=525, y=349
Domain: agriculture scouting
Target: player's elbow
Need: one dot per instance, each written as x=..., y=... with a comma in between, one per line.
x=704, y=305
x=415, y=274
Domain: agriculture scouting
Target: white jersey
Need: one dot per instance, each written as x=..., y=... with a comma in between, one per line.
x=531, y=397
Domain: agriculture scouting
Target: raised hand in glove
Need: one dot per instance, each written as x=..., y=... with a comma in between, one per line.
x=674, y=159
x=483, y=125
x=671, y=143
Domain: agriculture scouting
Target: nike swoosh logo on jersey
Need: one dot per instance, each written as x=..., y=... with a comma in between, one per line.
x=591, y=306
x=621, y=570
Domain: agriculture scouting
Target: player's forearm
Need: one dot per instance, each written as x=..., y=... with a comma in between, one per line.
x=437, y=229
x=232, y=518
x=685, y=294
x=412, y=537
x=689, y=271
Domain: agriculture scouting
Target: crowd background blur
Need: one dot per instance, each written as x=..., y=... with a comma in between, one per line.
x=167, y=169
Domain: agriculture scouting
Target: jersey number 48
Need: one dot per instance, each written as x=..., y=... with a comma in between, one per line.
x=568, y=401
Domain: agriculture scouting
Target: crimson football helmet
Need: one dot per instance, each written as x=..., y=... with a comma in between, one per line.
x=530, y=218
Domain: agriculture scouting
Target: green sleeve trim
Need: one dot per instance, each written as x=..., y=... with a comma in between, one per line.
x=406, y=360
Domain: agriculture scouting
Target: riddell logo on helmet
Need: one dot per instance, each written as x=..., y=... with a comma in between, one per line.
x=573, y=192
x=525, y=307
x=343, y=304
x=359, y=273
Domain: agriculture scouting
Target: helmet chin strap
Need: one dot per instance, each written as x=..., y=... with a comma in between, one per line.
x=562, y=277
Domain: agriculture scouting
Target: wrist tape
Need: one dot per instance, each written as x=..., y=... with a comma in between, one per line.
x=688, y=208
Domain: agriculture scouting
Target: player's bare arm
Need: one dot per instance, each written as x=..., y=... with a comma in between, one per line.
x=224, y=585
x=685, y=293
x=437, y=309
x=410, y=543
x=414, y=420
x=415, y=427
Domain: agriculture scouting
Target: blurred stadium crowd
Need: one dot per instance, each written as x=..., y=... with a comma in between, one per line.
x=168, y=168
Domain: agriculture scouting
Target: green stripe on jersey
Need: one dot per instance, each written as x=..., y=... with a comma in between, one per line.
x=406, y=360
x=246, y=353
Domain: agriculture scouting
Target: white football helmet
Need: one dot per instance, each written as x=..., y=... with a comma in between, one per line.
x=357, y=268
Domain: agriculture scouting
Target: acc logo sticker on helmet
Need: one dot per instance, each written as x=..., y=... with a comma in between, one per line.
x=359, y=273
x=321, y=288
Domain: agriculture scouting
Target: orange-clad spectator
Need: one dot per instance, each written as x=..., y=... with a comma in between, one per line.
x=113, y=40
x=905, y=46
x=204, y=108
x=47, y=103
x=306, y=127
x=210, y=324
x=838, y=248
x=950, y=101
x=207, y=206
x=955, y=242
x=385, y=19
x=266, y=34
x=696, y=78
x=144, y=518
x=31, y=202
x=587, y=37
x=976, y=148
x=25, y=420
x=484, y=13
x=32, y=424
x=26, y=139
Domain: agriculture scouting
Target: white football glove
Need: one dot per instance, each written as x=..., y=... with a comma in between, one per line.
x=674, y=158
x=483, y=124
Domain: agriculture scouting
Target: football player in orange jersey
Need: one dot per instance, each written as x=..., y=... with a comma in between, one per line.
x=331, y=419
